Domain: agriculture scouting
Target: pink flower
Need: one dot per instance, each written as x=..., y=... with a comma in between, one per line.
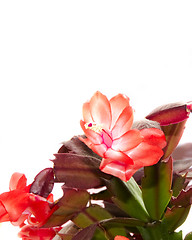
x=19, y=205
x=107, y=126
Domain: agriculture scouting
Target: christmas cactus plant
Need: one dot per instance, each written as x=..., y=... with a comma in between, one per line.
x=121, y=180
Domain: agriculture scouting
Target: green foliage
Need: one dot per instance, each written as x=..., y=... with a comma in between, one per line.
x=128, y=197
x=157, y=192
x=188, y=236
x=94, y=215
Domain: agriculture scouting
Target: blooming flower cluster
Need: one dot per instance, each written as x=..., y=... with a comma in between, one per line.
x=121, y=180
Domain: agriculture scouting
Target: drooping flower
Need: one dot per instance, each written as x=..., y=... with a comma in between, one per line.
x=19, y=204
x=107, y=126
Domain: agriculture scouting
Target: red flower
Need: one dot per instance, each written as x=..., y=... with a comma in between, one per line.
x=107, y=126
x=120, y=238
x=31, y=233
x=18, y=204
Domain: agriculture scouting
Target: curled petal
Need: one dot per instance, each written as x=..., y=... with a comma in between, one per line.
x=100, y=110
x=128, y=141
x=21, y=220
x=17, y=181
x=39, y=207
x=118, y=104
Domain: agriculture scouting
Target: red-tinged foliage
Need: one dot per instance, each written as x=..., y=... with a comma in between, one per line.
x=170, y=113
x=182, y=156
x=43, y=183
x=107, y=126
x=86, y=234
x=184, y=199
x=175, y=217
x=78, y=171
x=172, y=119
x=76, y=146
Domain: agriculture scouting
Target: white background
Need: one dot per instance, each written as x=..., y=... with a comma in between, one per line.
x=55, y=54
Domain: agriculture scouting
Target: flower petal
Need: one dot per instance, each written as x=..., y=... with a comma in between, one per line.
x=99, y=149
x=123, y=123
x=154, y=136
x=3, y=214
x=107, y=139
x=129, y=172
x=117, y=156
x=120, y=238
x=145, y=155
x=128, y=141
x=39, y=207
x=118, y=104
x=15, y=202
x=142, y=158
x=87, y=113
x=115, y=169
x=101, y=110
x=94, y=137
x=30, y=232
x=17, y=181
x=117, y=164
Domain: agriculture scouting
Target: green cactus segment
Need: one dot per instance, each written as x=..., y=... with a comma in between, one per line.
x=188, y=236
x=175, y=217
x=128, y=197
x=93, y=215
x=156, y=188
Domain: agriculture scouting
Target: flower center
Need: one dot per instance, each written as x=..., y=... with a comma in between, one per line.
x=107, y=139
x=94, y=126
